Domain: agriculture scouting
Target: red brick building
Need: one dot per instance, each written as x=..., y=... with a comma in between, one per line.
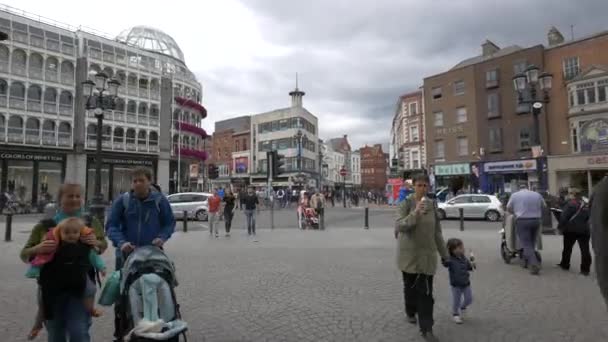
x=373, y=167
x=231, y=151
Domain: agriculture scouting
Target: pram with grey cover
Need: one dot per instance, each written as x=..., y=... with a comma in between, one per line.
x=147, y=307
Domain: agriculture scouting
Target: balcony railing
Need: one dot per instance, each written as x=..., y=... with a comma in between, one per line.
x=37, y=41
x=121, y=59
x=142, y=148
x=119, y=145
x=19, y=69
x=153, y=148
x=94, y=53
x=131, y=146
x=67, y=49
x=132, y=91
x=50, y=108
x=91, y=141
x=48, y=138
x=52, y=45
x=143, y=92
x=15, y=135
x=34, y=106
x=32, y=136
x=65, y=139
x=36, y=73
x=119, y=116
x=2, y=134
x=20, y=37
x=108, y=57
x=17, y=103
x=67, y=78
x=131, y=118
x=106, y=142
x=153, y=121
x=155, y=94
x=4, y=67
x=51, y=76
x=142, y=120
x=2, y=100
x=66, y=110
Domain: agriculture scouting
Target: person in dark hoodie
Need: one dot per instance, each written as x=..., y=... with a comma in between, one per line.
x=574, y=225
x=599, y=233
x=459, y=267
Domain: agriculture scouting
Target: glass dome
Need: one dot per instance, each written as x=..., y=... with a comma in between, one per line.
x=151, y=39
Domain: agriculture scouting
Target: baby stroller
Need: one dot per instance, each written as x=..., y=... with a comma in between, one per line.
x=147, y=307
x=509, y=245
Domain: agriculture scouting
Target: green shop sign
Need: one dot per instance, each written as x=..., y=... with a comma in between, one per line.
x=452, y=169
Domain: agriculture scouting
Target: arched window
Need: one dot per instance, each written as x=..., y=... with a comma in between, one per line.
x=143, y=83
x=153, y=140
x=108, y=71
x=175, y=139
x=52, y=65
x=154, y=112
x=119, y=137
x=15, y=128
x=34, y=94
x=4, y=53
x=143, y=108
x=122, y=78
x=36, y=65
x=177, y=115
x=154, y=85
x=2, y=124
x=19, y=62
x=91, y=135
x=48, y=132
x=120, y=105
x=131, y=107
x=17, y=91
x=32, y=131
x=3, y=92
x=67, y=72
x=106, y=135
x=66, y=100
x=131, y=138
x=50, y=95
x=65, y=133
x=132, y=80
x=142, y=137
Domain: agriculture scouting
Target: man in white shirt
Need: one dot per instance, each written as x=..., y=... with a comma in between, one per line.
x=527, y=206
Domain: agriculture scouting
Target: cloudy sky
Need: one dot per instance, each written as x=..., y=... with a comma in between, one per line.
x=354, y=57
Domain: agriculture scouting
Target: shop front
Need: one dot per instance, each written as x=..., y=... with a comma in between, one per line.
x=455, y=177
x=582, y=171
x=30, y=177
x=116, y=173
x=506, y=176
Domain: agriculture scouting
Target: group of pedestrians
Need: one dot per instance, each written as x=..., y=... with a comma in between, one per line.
x=249, y=202
x=66, y=248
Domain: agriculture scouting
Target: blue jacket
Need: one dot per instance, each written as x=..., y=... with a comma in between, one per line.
x=459, y=268
x=142, y=222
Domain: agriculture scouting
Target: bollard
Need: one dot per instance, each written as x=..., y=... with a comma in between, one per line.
x=322, y=219
x=366, y=223
x=185, y=221
x=461, y=212
x=9, y=227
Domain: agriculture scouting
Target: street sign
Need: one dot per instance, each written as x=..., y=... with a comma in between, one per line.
x=343, y=172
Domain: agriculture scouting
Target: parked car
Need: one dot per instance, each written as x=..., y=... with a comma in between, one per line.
x=479, y=206
x=194, y=202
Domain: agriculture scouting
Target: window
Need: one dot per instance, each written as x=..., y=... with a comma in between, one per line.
x=481, y=199
x=601, y=91
x=571, y=67
x=438, y=119
x=591, y=95
x=495, y=139
x=413, y=108
x=236, y=146
x=415, y=160
x=575, y=140
x=439, y=149
x=463, y=146
x=459, y=87
x=491, y=75
x=520, y=67
x=436, y=92
x=493, y=105
x=414, y=136
x=462, y=199
x=461, y=115
x=525, y=138
x=580, y=96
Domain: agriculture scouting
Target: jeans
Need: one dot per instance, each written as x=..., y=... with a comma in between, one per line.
x=583, y=243
x=228, y=215
x=527, y=231
x=250, y=216
x=461, y=298
x=71, y=321
x=212, y=218
x=418, y=295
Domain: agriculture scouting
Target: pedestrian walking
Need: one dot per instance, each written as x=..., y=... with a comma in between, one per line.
x=527, y=206
x=317, y=202
x=418, y=231
x=599, y=233
x=459, y=267
x=69, y=316
x=229, y=201
x=281, y=198
x=242, y=195
x=140, y=217
x=251, y=202
x=574, y=226
x=214, y=203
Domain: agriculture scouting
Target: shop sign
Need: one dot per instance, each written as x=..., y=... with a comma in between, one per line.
x=597, y=160
x=450, y=130
x=511, y=166
x=452, y=169
x=31, y=156
x=134, y=162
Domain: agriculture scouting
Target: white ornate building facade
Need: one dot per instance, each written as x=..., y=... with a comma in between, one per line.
x=407, y=143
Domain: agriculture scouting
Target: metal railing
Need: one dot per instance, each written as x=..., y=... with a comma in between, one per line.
x=65, y=139
x=50, y=108
x=17, y=103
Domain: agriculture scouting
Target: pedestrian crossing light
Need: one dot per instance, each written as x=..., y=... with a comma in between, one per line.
x=278, y=164
x=213, y=171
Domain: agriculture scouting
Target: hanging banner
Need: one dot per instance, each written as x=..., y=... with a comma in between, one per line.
x=194, y=170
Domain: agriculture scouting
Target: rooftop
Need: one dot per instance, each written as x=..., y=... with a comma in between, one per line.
x=151, y=39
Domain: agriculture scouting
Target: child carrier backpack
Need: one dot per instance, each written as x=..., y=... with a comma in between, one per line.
x=148, y=309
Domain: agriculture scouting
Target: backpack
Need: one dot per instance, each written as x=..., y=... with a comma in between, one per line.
x=126, y=200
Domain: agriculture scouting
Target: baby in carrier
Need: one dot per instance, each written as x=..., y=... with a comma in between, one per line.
x=69, y=268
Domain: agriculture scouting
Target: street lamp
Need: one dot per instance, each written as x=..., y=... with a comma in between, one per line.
x=100, y=96
x=530, y=80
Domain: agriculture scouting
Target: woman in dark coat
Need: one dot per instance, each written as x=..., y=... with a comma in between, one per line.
x=574, y=225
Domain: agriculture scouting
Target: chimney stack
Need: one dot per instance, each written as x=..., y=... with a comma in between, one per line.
x=488, y=48
x=554, y=37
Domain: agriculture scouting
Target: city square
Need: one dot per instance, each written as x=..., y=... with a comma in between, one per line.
x=340, y=284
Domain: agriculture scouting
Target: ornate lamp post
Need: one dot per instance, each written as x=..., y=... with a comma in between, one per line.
x=529, y=81
x=100, y=96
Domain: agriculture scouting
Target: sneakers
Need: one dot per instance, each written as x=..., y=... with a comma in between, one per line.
x=463, y=313
x=412, y=319
x=428, y=336
x=534, y=269
x=227, y=235
x=457, y=319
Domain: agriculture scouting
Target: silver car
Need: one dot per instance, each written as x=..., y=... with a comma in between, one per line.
x=479, y=206
x=195, y=203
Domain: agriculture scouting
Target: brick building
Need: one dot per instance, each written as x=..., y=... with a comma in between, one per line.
x=373, y=167
x=231, y=151
x=578, y=139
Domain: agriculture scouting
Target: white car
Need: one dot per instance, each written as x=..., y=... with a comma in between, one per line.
x=195, y=203
x=479, y=206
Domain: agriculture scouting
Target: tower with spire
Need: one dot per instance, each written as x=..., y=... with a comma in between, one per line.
x=296, y=95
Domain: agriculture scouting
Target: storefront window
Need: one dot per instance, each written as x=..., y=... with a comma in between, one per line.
x=105, y=182
x=49, y=180
x=20, y=178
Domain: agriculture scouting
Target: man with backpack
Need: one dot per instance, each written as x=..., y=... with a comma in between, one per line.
x=140, y=217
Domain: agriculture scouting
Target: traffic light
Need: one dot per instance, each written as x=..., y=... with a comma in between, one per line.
x=213, y=171
x=278, y=164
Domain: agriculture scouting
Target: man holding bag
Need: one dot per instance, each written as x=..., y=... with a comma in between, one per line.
x=574, y=225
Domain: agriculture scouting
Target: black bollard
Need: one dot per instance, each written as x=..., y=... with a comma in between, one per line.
x=322, y=219
x=366, y=223
x=9, y=227
x=461, y=212
x=185, y=221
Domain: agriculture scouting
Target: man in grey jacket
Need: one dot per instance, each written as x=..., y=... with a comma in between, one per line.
x=599, y=233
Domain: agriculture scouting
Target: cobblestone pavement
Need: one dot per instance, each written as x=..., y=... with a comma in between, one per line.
x=339, y=285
